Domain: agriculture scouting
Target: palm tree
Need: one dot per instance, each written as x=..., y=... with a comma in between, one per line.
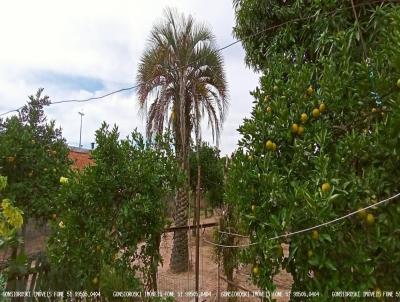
x=181, y=76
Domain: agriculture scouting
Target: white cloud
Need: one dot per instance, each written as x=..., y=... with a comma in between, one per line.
x=104, y=40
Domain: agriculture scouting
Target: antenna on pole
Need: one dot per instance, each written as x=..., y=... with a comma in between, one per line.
x=80, y=131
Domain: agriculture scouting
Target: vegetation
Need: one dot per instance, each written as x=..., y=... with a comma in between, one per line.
x=11, y=218
x=33, y=156
x=212, y=173
x=107, y=231
x=181, y=74
x=321, y=142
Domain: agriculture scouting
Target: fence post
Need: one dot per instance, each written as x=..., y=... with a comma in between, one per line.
x=218, y=284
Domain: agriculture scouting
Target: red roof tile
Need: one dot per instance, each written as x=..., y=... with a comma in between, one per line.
x=81, y=158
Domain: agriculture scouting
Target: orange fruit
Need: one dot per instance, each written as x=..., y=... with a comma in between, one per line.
x=269, y=109
x=300, y=131
x=315, y=113
x=310, y=90
x=322, y=107
x=273, y=147
x=304, y=117
x=315, y=235
x=326, y=187
x=256, y=270
x=269, y=145
x=370, y=219
x=294, y=128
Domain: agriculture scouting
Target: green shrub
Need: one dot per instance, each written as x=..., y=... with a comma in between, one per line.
x=112, y=214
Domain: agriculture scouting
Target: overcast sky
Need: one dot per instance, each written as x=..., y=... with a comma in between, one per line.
x=80, y=49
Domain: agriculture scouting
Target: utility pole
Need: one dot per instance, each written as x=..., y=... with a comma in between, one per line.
x=80, y=131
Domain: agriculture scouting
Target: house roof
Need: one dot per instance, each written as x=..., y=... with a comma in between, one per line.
x=81, y=157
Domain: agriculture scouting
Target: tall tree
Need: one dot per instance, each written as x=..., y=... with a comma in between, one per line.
x=320, y=143
x=181, y=75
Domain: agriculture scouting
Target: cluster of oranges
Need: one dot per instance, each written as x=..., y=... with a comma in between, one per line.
x=297, y=129
x=271, y=146
x=369, y=218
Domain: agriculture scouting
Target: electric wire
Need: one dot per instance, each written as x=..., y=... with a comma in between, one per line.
x=307, y=229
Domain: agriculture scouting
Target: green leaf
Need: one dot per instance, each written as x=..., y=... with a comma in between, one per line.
x=313, y=261
x=330, y=265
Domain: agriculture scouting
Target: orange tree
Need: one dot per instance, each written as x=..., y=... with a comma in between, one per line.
x=322, y=141
x=112, y=215
x=33, y=156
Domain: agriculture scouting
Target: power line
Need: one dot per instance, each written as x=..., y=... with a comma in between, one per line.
x=307, y=229
x=16, y=110
x=80, y=101
x=218, y=50
x=234, y=234
x=97, y=97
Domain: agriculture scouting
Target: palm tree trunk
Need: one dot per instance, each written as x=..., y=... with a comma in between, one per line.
x=194, y=214
x=180, y=253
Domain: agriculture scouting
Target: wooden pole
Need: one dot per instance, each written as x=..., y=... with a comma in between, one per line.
x=197, y=230
x=189, y=227
x=218, y=284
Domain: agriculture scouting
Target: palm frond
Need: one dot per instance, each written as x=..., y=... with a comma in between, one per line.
x=175, y=44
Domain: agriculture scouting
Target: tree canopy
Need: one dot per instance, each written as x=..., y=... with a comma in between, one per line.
x=320, y=143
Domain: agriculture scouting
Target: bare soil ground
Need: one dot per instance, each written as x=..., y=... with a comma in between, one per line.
x=185, y=282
